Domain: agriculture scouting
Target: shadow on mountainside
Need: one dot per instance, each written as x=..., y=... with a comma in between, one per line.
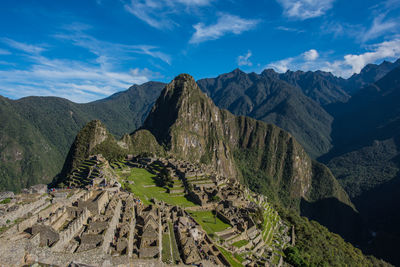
x=379, y=208
x=337, y=217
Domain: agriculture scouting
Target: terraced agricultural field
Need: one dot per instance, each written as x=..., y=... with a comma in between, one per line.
x=241, y=243
x=79, y=176
x=209, y=223
x=145, y=187
x=229, y=257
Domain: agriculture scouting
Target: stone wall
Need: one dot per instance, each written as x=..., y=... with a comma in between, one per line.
x=108, y=236
x=72, y=230
x=102, y=202
x=131, y=231
x=54, y=216
x=46, y=212
x=22, y=211
x=95, y=204
x=47, y=234
x=223, y=218
x=86, y=195
x=22, y=226
x=60, y=221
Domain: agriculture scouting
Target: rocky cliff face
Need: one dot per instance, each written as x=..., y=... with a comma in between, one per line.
x=275, y=152
x=267, y=97
x=189, y=125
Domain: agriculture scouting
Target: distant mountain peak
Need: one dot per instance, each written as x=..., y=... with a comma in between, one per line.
x=370, y=74
x=269, y=71
x=237, y=70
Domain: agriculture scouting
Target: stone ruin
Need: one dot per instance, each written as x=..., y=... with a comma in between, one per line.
x=101, y=223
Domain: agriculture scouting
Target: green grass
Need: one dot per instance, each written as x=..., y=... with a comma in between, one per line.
x=143, y=178
x=231, y=259
x=240, y=257
x=5, y=201
x=241, y=243
x=208, y=222
x=166, y=251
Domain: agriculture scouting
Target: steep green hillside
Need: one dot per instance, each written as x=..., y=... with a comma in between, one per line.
x=366, y=136
x=366, y=159
x=363, y=169
x=316, y=246
x=322, y=87
x=40, y=130
x=26, y=156
x=268, y=98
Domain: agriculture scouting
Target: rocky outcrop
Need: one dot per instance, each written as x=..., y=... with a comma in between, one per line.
x=142, y=142
x=188, y=124
x=93, y=139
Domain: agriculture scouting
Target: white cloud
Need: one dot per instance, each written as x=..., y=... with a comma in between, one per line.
x=194, y=2
x=384, y=50
x=350, y=64
x=76, y=80
x=311, y=55
x=157, y=13
x=28, y=48
x=107, y=50
x=73, y=80
x=339, y=29
x=281, y=65
x=4, y=52
x=288, y=29
x=379, y=27
x=302, y=62
x=354, y=63
x=145, y=11
x=383, y=23
x=245, y=60
x=305, y=9
x=226, y=24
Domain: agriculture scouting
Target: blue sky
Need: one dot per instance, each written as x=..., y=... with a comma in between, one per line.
x=85, y=50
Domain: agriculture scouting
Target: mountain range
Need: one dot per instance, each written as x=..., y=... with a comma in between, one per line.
x=37, y=132
x=185, y=124
x=351, y=125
